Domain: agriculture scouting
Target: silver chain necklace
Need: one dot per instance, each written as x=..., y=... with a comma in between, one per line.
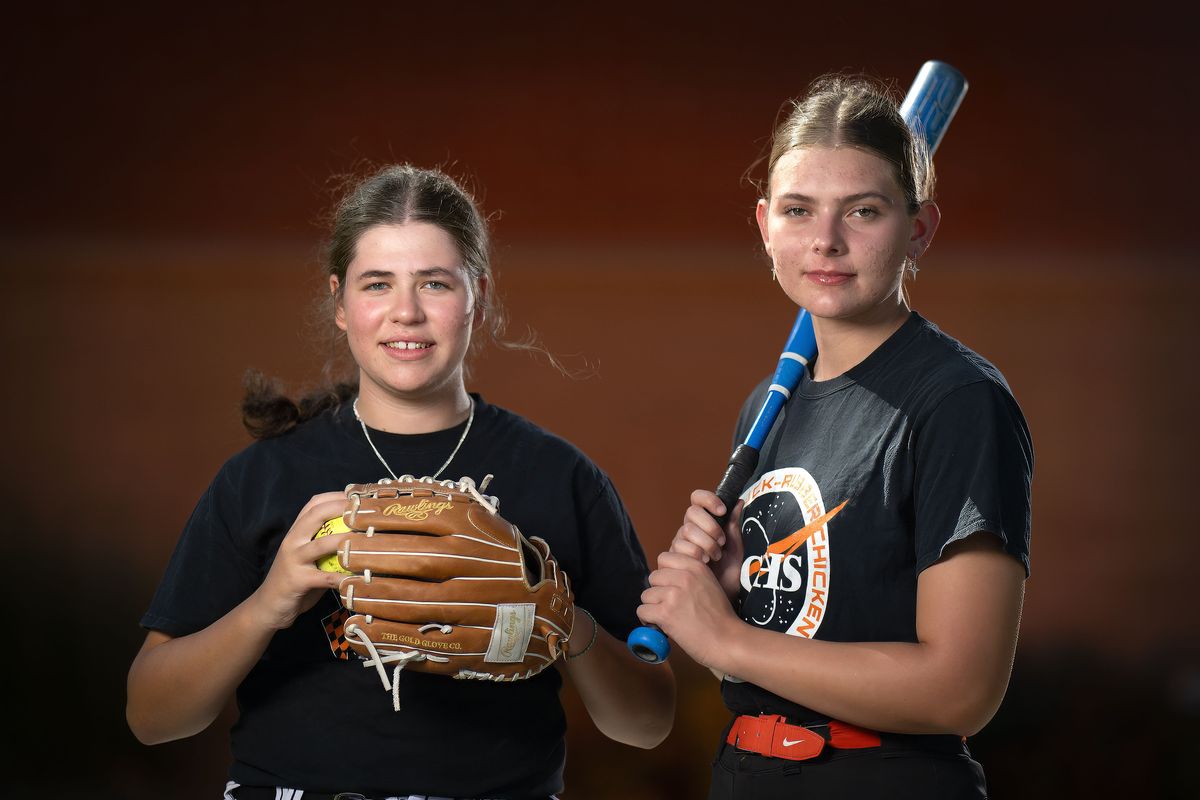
x=453, y=453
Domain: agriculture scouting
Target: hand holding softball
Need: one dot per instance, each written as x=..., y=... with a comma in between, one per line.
x=292, y=586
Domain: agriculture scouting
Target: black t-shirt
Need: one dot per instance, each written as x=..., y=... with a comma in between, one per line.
x=862, y=483
x=313, y=721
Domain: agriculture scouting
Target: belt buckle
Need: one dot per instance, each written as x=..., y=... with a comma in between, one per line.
x=759, y=722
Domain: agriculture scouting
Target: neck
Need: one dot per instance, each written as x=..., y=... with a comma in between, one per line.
x=844, y=344
x=438, y=411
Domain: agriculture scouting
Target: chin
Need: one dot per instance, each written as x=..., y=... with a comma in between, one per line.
x=823, y=307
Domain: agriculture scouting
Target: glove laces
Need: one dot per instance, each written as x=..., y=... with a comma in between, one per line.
x=402, y=659
x=465, y=484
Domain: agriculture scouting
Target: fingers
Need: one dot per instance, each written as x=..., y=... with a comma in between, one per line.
x=657, y=599
x=690, y=540
x=325, y=546
x=321, y=507
x=652, y=611
x=708, y=501
x=295, y=562
x=700, y=536
x=669, y=562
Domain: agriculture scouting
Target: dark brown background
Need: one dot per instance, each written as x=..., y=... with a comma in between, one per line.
x=166, y=177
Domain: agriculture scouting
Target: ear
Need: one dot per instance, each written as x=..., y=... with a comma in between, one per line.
x=761, y=210
x=339, y=309
x=925, y=225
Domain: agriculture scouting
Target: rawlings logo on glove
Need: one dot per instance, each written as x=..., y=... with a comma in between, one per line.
x=442, y=583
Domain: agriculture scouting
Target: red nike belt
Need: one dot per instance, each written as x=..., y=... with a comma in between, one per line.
x=769, y=735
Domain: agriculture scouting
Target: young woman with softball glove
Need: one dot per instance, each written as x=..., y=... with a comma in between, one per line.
x=244, y=609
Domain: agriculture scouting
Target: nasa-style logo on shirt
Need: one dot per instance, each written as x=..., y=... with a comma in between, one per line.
x=786, y=570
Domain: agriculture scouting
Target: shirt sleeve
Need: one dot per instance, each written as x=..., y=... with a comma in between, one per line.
x=614, y=566
x=209, y=573
x=973, y=472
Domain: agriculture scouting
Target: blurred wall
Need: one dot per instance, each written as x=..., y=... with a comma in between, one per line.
x=168, y=174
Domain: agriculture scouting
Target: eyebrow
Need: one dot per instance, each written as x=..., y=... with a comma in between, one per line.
x=796, y=197
x=427, y=272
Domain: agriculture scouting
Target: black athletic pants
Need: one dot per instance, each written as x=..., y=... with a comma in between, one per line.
x=898, y=770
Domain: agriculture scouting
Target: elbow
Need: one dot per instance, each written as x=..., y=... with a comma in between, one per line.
x=645, y=731
x=655, y=728
x=140, y=723
x=152, y=722
x=147, y=729
x=646, y=723
x=967, y=712
x=141, y=728
x=977, y=718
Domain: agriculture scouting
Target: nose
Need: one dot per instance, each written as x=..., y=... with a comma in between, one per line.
x=406, y=308
x=828, y=238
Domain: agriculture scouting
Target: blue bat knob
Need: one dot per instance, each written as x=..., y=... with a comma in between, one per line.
x=649, y=644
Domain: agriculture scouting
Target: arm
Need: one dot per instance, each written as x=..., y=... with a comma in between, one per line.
x=950, y=681
x=630, y=701
x=178, y=686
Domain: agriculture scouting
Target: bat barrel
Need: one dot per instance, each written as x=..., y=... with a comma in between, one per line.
x=932, y=101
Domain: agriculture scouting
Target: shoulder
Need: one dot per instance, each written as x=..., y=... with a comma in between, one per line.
x=520, y=449
x=517, y=430
x=962, y=395
x=931, y=366
x=945, y=360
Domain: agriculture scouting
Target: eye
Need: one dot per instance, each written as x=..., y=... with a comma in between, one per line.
x=864, y=212
x=795, y=211
x=375, y=286
x=436, y=285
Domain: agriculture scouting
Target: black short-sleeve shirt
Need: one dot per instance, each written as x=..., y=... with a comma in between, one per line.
x=311, y=720
x=863, y=482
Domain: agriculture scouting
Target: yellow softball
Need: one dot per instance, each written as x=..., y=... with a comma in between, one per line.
x=330, y=562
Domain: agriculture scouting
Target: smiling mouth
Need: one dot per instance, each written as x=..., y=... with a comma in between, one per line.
x=408, y=345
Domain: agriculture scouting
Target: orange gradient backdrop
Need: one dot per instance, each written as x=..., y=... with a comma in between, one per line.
x=168, y=174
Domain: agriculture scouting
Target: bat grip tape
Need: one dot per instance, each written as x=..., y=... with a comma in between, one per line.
x=737, y=473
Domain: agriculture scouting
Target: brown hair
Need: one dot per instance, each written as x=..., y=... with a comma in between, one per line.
x=856, y=111
x=393, y=195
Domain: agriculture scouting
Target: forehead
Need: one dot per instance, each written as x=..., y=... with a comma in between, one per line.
x=820, y=171
x=405, y=248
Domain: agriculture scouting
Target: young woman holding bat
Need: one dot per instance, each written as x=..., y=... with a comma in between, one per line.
x=862, y=603
x=243, y=609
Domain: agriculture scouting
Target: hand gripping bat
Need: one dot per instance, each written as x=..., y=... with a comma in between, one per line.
x=930, y=104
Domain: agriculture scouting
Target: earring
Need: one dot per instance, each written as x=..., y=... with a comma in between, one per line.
x=774, y=278
x=912, y=268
